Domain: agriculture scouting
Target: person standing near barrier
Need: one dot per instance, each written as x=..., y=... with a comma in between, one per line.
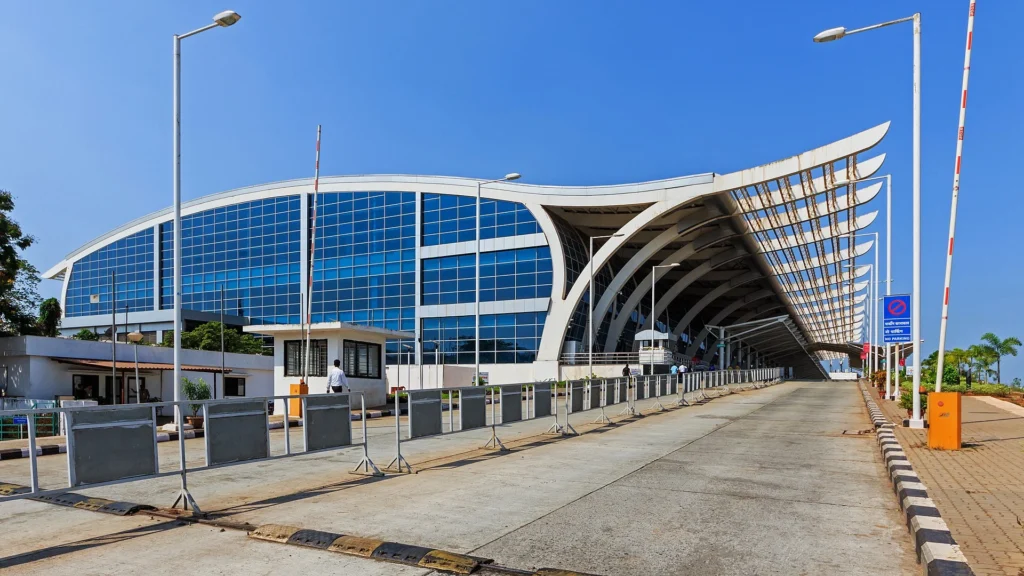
x=336, y=379
x=625, y=371
x=674, y=369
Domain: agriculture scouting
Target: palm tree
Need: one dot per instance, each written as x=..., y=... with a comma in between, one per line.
x=1000, y=348
x=976, y=355
x=957, y=357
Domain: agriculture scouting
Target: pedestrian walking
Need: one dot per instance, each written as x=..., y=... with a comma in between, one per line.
x=336, y=379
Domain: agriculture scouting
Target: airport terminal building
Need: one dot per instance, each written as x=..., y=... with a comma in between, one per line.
x=771, y=243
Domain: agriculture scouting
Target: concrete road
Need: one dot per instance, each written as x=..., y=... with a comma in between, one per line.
x=761, y=482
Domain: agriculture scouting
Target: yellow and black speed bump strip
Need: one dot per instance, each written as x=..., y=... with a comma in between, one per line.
x=72, y=500
x=559, y=572
x=370, y=548
x=13, y=489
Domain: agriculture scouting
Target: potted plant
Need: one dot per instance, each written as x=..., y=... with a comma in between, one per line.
x=907, y=403
x=195, y=390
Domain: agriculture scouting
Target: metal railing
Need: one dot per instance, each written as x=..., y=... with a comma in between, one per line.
x=426, y=412
x=108, y=445
x=16, y=427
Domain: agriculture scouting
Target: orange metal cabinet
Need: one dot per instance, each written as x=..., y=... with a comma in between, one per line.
x=944, y=420
x=295, y=404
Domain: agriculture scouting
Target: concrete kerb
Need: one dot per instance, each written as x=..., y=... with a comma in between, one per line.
x=937, y=551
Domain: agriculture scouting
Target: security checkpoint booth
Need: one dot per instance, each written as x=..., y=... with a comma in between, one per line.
x=656, y=350
x=361, y=350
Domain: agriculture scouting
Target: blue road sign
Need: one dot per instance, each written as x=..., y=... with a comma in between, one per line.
x=896, y=327
x=20, y=419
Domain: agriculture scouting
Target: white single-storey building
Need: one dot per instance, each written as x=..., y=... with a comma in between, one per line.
x=40, y=368
x=359, y=348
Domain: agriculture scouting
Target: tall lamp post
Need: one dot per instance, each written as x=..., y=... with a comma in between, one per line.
x=654, y=280
x=835, y=34
x=221, y=20
x=868, y=314
x=888, y=265
x=476, y=308
x=590, y=314
x=135, y=338
x=872, y=300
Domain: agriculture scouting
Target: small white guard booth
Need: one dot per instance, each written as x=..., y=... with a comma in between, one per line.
x=359, y=348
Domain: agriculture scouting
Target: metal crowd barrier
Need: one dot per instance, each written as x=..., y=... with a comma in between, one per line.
x=108, y=445
x=426, y=413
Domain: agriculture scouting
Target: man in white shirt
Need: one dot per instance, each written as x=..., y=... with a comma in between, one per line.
x=336, y=379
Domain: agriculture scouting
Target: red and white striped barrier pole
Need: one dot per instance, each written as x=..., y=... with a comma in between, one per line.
x=956, y=194
x=312, y=254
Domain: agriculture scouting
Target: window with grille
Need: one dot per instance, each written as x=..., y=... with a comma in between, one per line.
x=234, y=386
x=361, y=359
x=294, y=357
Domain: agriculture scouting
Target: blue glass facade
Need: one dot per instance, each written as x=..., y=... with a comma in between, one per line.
x=364, y=269
x=365, y=265
x=504, y=338
x=448, y=219
x=130, y=259
x=252, y=249
x=449, y=280
x=515, y=274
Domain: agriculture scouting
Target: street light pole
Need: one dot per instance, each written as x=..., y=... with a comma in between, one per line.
x=223, y=19
x=835, y=34
x=476, y=307
x=590, y=314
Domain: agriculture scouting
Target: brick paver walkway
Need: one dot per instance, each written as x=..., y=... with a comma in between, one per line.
x=980, y=489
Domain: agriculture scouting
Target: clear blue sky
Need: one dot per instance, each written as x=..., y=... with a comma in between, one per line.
x=582, y=92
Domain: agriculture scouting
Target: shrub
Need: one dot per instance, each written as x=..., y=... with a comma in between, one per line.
x=991, y=389
x=950, y=376
x=907, y=401
x=195, y=390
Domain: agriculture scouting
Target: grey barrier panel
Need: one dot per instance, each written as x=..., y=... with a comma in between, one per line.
x=511, y=403
x=107, y=445
x=641, y=387
x=609, y=392
x=541, y=399
x=576, y=402
x=595, y=395
x=425, y=412
x=236, y=432
x=664, y=385
x=652, y=387
x=472, y=407
x=327, y=422
x=673, y=386
x=623, y=385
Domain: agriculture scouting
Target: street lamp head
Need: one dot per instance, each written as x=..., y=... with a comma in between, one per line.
x=135, y=337
x=227, y=18
x=513, y=176
x=831, y=34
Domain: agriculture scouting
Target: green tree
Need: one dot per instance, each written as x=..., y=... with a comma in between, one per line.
x=49, y=317
x=18, y=278
x=1005, y=347
x=951, y=375
x=207, y=337
x=86, y=334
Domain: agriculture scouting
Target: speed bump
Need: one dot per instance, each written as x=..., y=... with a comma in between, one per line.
x=559, y=572
x=12, y=489
x=449, y=562
x=369, y=548
x=355, y=546
x=274, y=533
